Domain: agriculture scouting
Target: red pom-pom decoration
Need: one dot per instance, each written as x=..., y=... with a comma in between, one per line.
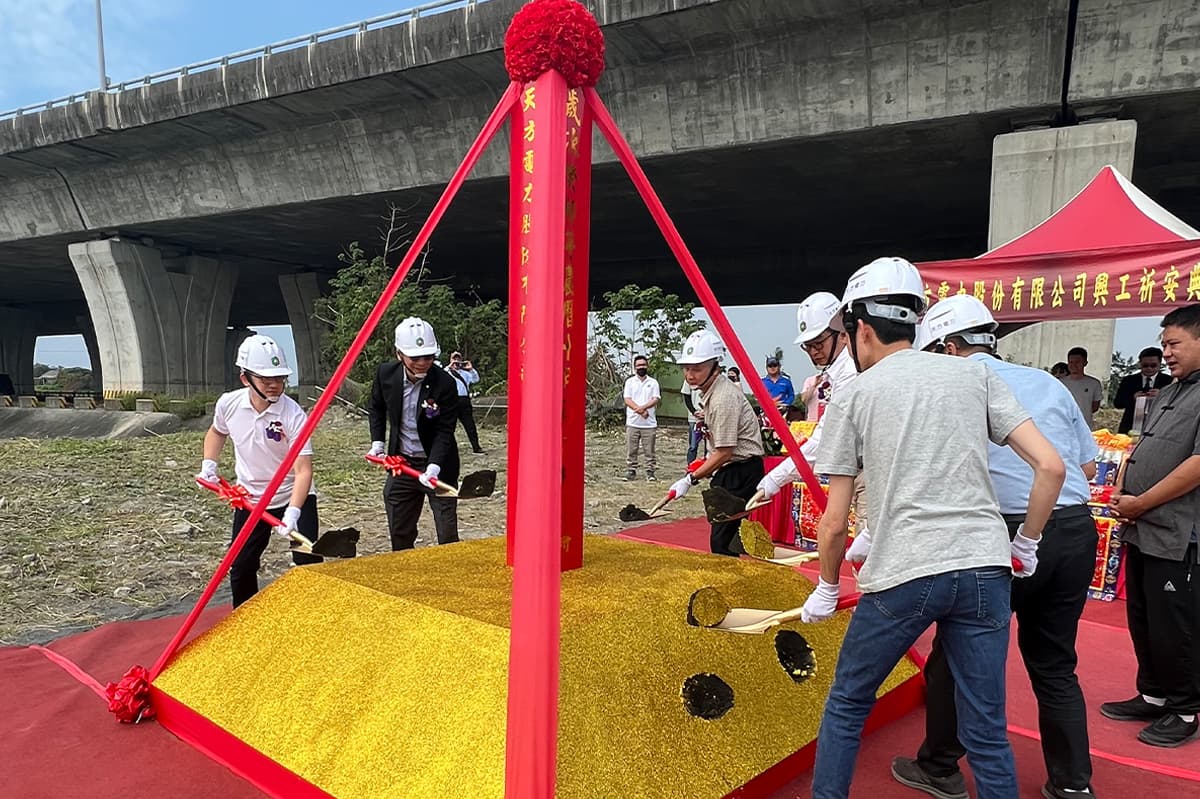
x=554, y=34
x=129, y=699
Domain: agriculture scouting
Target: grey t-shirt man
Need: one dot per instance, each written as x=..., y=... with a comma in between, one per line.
x=1087, y=391
x=920, y=423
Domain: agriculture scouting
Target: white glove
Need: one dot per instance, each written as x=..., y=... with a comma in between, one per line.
x=681, y=486
x=208, y=470
x=774, y=480
x=429, y=475
x=821, y=603
x=860, y=547
x=1025, y=550
x=376, y=448
x=291, y=517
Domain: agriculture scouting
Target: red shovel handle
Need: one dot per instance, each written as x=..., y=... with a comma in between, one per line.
x=398, y=466
x=236, y=496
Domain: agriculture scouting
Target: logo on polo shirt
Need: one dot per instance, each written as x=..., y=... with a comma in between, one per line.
x=1170, y=586
x=274, y=431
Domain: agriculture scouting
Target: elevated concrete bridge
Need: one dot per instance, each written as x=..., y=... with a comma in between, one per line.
x=791, y=140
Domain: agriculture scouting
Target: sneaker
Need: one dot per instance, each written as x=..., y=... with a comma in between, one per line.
x=908, y=772
x=1136, y=709
x=650, y=478
x=1050, y=792
x=1169, y=731
x=631, y=475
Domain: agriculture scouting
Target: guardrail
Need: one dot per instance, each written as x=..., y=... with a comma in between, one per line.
x=355, y=28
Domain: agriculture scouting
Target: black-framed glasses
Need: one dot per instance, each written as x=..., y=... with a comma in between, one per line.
x=817, y=343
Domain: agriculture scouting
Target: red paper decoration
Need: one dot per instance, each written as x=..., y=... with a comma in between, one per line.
x=554, y=34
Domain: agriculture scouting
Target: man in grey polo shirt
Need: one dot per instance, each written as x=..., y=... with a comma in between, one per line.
x=1049, y=603
x=1160, y=496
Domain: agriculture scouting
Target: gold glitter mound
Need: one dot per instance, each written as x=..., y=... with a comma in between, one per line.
x=707, y=608
x=385, y=677
x=756, y=540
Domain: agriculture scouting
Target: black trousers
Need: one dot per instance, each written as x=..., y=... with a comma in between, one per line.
x=403, y=497
x=466, y=417
x=1047, y=606
x=1162, y=603
x=741, y=480
x=243, y=573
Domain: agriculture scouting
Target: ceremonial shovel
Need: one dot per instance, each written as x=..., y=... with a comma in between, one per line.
x=474, y=485
x=333, y=544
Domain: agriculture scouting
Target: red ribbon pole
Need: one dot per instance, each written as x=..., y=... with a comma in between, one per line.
x=532, y=734
x=578, y=215
x=518, y=276
x=493, y=123
x=625, y=155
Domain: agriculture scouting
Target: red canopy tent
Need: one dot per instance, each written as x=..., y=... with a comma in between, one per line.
x=1109, y=252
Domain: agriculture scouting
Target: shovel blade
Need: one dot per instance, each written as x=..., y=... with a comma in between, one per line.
x=720, y=505
x=478, y=484
x=337, y=543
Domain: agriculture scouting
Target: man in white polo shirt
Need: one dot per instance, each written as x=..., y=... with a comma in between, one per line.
x=642, y=395
x=263, y=422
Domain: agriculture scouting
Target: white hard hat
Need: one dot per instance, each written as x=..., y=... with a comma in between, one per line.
x=924, y=337
x=415, y=337
x=957, y=314
x=260, y=355
x=700, y=347
x=814, y=315
x=887, y=277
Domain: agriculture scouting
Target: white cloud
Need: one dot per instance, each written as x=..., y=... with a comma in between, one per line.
x=48, y=47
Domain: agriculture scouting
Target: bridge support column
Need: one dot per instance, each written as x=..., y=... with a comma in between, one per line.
x=1034, y=173
x=159, y=322
x=301, y=292
x=18, y=335
x=93, y=347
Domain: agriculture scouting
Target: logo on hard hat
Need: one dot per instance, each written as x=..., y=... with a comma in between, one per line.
x=690, y=350
x=803, y=326
x=420, y=341
x=274, y=360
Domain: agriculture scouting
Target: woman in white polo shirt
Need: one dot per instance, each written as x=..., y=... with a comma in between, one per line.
x=262, y=421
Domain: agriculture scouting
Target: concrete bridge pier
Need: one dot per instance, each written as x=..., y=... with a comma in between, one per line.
x=18, y=335
x=1034, y=173
x=301, y=293
x=159, y=321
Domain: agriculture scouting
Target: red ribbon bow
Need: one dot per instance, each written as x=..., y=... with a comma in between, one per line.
x=129, y=699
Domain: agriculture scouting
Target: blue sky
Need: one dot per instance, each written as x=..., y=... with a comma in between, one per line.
x=48, y=47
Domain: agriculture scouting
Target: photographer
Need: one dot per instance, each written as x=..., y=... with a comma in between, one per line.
x=464, y=375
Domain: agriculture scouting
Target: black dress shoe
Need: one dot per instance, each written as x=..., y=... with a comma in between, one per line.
x=1169, y=731
x=1136, y=709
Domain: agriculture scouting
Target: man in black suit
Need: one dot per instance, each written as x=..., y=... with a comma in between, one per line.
x=1146, y=383
x=418, y=399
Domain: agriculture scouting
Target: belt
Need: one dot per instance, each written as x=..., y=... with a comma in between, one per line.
x=1058, y=514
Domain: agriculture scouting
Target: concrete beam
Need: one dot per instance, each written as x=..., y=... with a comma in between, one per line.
x=1034, y=173
x=1130, y=48
x=18, y=336
x=301, y=292
x=159, y=324
x=347, y=119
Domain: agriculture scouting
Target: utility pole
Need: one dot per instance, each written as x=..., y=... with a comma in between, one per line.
x=100, y=46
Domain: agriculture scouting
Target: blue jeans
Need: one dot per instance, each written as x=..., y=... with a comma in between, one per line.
x=971, y=609
x=694, y=439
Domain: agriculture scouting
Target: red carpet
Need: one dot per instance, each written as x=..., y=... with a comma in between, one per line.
x=58, y=739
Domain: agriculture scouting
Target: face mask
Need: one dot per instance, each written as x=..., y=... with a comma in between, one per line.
x=642, y=371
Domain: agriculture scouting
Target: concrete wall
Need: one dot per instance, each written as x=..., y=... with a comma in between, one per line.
x=1034, y=173
x=18, y=336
